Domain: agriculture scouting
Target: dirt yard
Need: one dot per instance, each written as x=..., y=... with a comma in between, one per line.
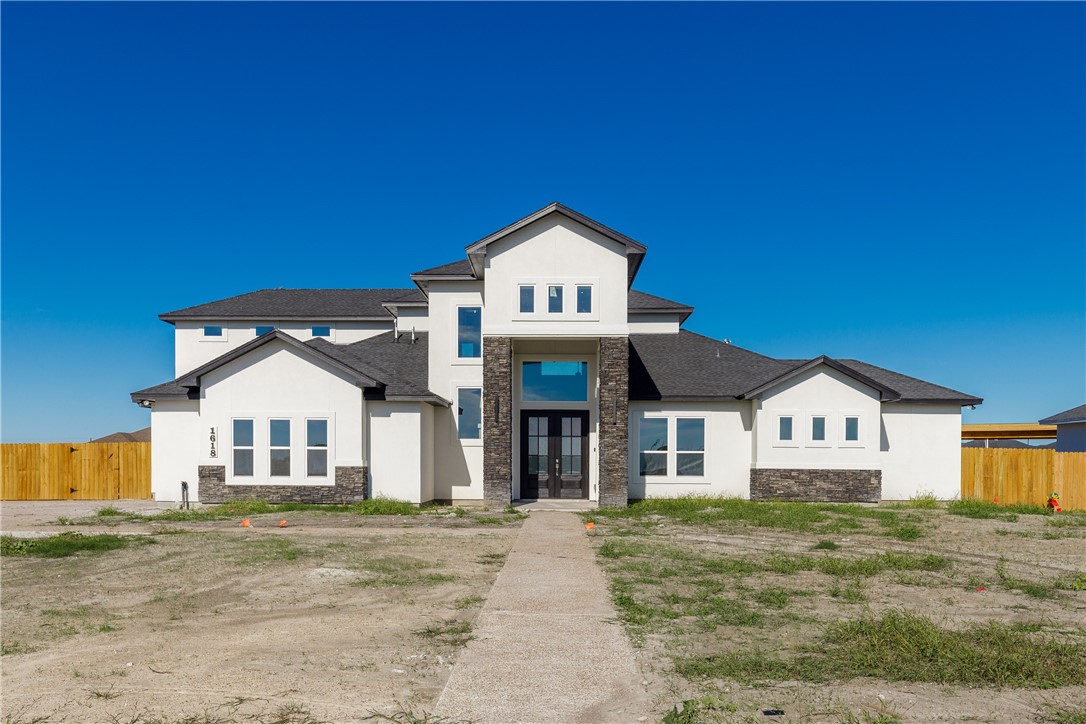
x=332, y=618
x=734, y=611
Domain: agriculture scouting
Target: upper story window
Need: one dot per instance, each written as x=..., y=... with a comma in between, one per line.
x=584, y=299
x=213, y=331
x=527, y=298
x=565, y=381
x=554, y=299
x=322, y=330
x=469, y=332
x=261, y=330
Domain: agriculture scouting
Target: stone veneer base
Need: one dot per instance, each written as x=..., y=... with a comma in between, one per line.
x=351, y=486
x=830, y=486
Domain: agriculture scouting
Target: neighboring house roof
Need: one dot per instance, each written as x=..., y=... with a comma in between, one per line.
x=361, y=361
x=143, y=435
x=1015, y=444
x=316, y=304
x=635, y=251
x=1075, y=414
x=688, y=366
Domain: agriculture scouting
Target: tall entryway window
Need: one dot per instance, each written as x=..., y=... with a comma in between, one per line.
x=553, y=454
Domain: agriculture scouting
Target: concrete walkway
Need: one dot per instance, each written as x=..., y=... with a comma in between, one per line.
x=548, y=646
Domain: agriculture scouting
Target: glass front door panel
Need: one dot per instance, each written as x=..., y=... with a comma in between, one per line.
x=554, y=454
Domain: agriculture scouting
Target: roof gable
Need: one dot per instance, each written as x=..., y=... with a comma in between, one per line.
x=886, y=394
x=635, y=251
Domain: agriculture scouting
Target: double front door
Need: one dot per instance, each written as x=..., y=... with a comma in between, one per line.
x=553, y=454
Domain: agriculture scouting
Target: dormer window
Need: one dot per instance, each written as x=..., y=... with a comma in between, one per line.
x=554, y=299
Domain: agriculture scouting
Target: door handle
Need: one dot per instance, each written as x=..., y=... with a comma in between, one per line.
x=557, y=468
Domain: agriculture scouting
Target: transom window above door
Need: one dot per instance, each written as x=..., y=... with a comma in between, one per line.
x=554, y=381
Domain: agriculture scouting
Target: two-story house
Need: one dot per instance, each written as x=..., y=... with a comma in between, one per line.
x=528, y=369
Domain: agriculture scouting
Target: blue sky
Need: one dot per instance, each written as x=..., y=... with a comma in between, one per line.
x=901, y=183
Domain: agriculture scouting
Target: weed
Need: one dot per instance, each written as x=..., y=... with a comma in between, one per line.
x=695, y=711
x=984, y=510
x=905, y=532
x=487, y=520
x=451, y=633
x=291, y=713
x=491, y=558
x=851, y=592
x=825, y=545
x=774, y=596
x=67, y=544
x=408, y=716
x=901, y=646
x=467, y=602
x=14, y=648
x=103, y=694
x=109, y=512
x=924, y=500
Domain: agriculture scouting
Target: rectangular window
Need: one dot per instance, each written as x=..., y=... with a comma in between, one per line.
x=784, y=431
x=469, y=413
x=527, y=299
x=818, y=428
x=243, y=448
x=213, y=331
x=279, y=448
x=316, y=448
x=852, y=429
x=322, y=331
x=469, y=332
x=584, y=300
x=652, y=437
x=263, y=329
x=554, y=299
x=554, y=381
x=690, y=446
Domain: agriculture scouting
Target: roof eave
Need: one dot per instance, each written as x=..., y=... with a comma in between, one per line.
x=886, y=394
x=172, y=318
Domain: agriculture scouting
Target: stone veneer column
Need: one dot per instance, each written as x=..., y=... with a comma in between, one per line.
x=497, y=420
x=614, y=421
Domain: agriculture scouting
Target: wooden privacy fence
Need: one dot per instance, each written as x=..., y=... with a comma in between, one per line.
x=1014, y=475
x=76, y=471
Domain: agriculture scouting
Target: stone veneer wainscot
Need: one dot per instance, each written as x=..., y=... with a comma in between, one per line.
x=351, y=486
x=830, y=486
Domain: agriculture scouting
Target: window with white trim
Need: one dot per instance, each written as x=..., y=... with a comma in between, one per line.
x=469, y=332
x=263, y=329
x=784, y=428
x=322, y=330
x=213, y=330
x=584, y=299
x=469, y=413
x=554, y=299
x=242, y=441
x=527, y=298
x=818, y=428
x=316, y=448
x=652, y=445
x=852, y=428
x=279, y=448
x=690, y=446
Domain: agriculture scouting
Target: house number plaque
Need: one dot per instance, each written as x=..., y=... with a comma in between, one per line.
x=213, y=442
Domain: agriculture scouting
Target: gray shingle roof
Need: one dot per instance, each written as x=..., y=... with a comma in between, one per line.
x=1075, y=414
x=910, y=388
x=403, y=367
x=639, y=301
x=454, y=268
x=316, y=304
x=689, y=366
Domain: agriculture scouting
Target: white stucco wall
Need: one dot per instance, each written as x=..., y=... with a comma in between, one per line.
x=921, y=450
x=727, y=450
x=641, y=323
x=819, y=391
x=192, y=349
x=1071, y=438
x=277, y=381
x=175, y=435
x=396, y=433
x=414, y=317
x=555, y=250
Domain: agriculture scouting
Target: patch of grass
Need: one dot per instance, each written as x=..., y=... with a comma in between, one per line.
x=467, y=602
x=267, y=549
x=409, y=716
x=696, y=711
x=451, y=633
x=1060, y=714
x=715, y=510
x=68, y=544
x=825, y=545
x=384, y=506
x=924, y=501
x=291, y=713
x=1068, y=519
x=109, y=512
x=851, y=592
x=491, y=559
x=990, y=510
x=487, y=520
x=901, y=646
x=400, y=571
x=1033, y=589
x=905, y=532
x=14, y=648
x=774, y=596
